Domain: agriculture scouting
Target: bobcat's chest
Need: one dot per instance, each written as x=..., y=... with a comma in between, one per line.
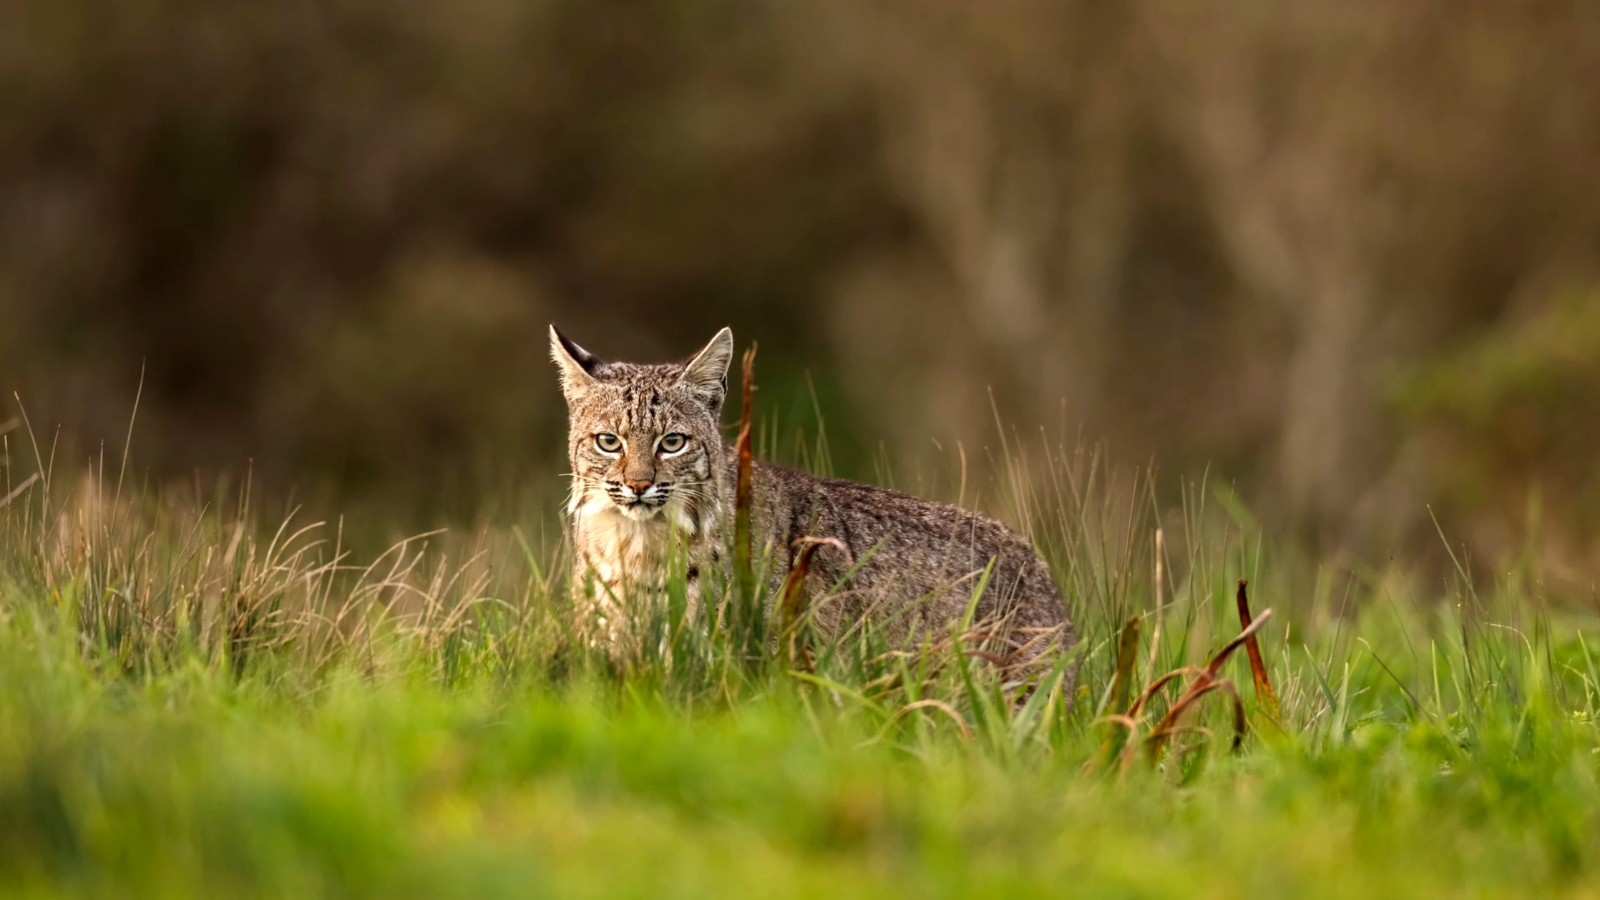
x=626, y=553
x=618, y=548
x=623, y=565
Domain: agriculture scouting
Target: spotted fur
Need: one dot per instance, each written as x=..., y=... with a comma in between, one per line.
x=907, y=567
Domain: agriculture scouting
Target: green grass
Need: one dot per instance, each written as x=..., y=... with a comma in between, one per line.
x=191, y=705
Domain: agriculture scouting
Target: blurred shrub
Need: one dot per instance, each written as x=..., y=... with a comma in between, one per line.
x=1504, y=428
x=334, y=229
x=418, y=386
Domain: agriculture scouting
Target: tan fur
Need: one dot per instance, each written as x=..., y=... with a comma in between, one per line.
x=920, y=561
x=624, y=543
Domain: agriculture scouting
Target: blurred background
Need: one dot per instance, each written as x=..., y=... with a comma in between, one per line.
x=1343, y=256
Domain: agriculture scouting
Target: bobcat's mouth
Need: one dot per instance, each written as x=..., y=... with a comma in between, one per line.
x=641, y=508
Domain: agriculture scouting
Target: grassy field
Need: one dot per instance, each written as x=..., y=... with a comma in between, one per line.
x=195, y=703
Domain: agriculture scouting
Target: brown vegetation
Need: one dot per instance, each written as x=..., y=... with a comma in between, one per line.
x=1344, y=251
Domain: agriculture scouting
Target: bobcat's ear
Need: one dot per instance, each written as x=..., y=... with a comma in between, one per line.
x=577, y=364
x=707, y=373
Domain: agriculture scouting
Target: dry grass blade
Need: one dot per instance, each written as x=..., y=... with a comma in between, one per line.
x=1215, y=666
x=18, y=490
x=1258, y=667
x=993, y=659
x=1160, y=610
x=1204, y=683
x=1155, y=686
x=940, y=705
x=1127, y=722
x=1116, y=741
x=1169, y=723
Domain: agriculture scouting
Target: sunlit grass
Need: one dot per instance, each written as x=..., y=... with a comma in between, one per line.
x=194, y=703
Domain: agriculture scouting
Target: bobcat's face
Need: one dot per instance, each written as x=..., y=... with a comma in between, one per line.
x=643, y=440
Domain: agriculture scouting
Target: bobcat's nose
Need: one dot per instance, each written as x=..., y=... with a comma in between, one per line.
x=638, y=487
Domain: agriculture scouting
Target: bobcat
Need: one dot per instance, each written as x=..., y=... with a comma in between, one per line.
x=651, y=477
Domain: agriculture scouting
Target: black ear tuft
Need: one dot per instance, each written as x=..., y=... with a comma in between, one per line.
x=577, y=364
x=586, y=360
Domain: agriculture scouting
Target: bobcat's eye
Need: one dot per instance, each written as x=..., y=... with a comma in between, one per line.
x=673, y=443
x=607, y=443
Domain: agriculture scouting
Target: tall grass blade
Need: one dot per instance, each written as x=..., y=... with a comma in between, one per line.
x=746, y=602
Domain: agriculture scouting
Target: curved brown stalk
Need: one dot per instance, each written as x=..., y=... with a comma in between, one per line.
x=1215, y=666
x=1169, y=723
x=792, y=601
x=1155, y=686
x=1265, y=698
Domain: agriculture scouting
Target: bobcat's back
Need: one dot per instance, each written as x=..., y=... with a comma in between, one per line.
x=916, y=563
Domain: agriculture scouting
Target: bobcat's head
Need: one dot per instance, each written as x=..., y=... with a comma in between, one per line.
x=644, y=440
